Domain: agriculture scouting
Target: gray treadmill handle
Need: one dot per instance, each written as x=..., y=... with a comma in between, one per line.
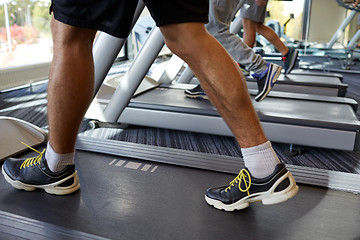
x=133, y=77
x=106, y=48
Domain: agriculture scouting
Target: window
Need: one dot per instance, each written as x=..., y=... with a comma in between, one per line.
x=25, y=36
x=280, y=11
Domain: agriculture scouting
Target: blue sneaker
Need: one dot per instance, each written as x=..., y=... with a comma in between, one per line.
x=266, y=80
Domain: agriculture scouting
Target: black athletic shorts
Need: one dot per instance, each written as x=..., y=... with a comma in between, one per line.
x=115, y=16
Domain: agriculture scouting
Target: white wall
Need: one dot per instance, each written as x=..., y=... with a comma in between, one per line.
x=325, y=18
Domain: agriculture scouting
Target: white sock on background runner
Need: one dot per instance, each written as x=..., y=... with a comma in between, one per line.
x=261, y=160
x=56, y=161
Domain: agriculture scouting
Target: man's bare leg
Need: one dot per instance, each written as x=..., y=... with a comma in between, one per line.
x=70, y=87
x=70, y=91
x=220, y=77
x=225, y=86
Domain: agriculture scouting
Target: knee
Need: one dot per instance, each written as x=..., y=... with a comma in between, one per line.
x=262, y=29
x=183, y=39
x=176, y=46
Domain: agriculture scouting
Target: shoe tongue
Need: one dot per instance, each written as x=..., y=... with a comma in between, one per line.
x=44, y=162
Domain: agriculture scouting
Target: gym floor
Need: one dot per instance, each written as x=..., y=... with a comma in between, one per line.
x=123, y=198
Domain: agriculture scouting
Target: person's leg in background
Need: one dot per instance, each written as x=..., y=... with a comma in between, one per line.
x=253, y=17
x=251, y=28
x=221, y=14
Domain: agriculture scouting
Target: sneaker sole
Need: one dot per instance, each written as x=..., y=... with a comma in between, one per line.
x=270, y=82
x=269, y=197
x=293, y=61
x=53, y=188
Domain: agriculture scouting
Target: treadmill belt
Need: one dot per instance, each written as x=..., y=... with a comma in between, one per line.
x=124, y=198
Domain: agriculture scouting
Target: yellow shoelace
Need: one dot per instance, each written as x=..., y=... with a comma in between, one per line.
x=34, y=160
x=243, y=174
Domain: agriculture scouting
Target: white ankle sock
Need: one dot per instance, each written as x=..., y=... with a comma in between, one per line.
x=261, y=160
x=56, y=161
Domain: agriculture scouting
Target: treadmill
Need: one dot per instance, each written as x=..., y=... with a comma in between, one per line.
x=105, y=52
x=318, y=121
x=308, y=122
x=298, y=81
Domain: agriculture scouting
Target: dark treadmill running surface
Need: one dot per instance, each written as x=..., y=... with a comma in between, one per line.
x=123, y=198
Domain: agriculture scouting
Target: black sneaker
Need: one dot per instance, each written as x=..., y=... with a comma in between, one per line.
x=290, y=60
x=243, y=190
x=266, y=80
x=32, y=173
x=196, y=92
